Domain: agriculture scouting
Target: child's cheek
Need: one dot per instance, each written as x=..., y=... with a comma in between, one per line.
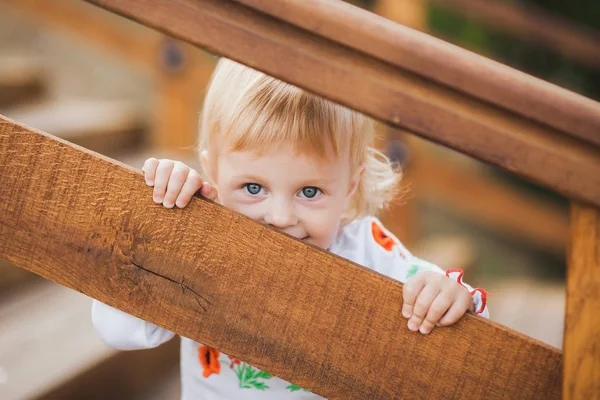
x=323, y=228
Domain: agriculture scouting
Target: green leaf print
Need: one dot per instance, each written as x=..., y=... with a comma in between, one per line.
x=294, y=388
x=250, y=377
x=412, y=271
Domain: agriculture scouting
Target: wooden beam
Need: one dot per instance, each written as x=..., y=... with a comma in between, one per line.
x=437, y=61
x=180, y=90
x=491, y=203
x=89, y=223
x=381, y=86
x=533, y=25
x=582, y=329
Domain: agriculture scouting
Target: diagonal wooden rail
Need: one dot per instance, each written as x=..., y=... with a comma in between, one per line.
x=81, y=220
x=402, y=77
x=89, y=223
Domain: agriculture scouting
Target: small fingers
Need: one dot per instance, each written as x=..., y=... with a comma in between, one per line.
x=163, y=173
x=149, y=170
x=410, y=291
x=439, y=307
x=192, y=184
x=176, y=181
x=460, y=306
x=422, y=305
x=208, y=191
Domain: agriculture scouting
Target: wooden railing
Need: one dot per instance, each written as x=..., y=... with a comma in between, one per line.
x=87, y=222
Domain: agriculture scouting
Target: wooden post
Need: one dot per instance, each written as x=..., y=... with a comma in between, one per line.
x=401, y=217
x=181, y=82
x=581, y=376
x=411, y=13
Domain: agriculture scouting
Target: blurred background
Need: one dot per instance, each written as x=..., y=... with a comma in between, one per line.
x=128, y=92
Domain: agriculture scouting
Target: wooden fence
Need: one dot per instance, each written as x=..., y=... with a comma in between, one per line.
x=88, y=222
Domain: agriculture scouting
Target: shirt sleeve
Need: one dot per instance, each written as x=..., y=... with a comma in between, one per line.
x=388, y=256
x=125, y=332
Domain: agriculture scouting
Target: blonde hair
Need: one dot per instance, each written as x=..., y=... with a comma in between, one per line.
x=245, y=109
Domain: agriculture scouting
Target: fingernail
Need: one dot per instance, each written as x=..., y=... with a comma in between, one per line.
x=157, y=199
x=424, y=330
x=406, y=314
x=149, y=182
x=168, y=204
x=412, y=326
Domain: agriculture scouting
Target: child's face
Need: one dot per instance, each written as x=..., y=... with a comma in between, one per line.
x=300, y=195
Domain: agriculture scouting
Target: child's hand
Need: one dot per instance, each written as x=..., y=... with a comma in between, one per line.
x=432, y=299
x=175, y=183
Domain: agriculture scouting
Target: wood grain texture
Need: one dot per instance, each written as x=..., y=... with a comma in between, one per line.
x=392, y=93
x=581, y=379
x=439, y=61
x=217, y=277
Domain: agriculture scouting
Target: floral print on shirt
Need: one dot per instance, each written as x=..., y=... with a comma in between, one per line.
x=248, y=376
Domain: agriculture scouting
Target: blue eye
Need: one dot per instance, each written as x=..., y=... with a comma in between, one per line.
x=253, y=188
x=310, y=192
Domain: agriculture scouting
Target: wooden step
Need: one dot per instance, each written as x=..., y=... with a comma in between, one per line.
x=22, y=79
x=49, y=350
x=104, y=126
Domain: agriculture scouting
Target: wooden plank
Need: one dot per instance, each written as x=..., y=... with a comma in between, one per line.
x=582, y=329
x=533, y=25
x=440, y=62
x=392, y=93
x=180, y=90
x=89, y=223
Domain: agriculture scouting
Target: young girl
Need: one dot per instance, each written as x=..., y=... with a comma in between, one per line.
x=305, y=166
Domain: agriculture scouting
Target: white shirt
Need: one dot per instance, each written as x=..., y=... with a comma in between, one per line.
x=207, y=374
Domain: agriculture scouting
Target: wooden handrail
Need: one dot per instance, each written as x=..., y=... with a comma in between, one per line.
x=89, y=223
x=460, y=116
x=441, y=62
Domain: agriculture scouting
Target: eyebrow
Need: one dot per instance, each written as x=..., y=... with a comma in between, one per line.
x=248, y=178
x=317, y=182
x=307, y=182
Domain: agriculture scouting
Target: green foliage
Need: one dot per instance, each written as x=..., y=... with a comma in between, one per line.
x=535, y=60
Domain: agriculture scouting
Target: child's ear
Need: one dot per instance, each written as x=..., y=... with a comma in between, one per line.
x=206, y=165
x=355, y=180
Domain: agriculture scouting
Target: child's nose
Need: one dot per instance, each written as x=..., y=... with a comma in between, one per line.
x=281, y=215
